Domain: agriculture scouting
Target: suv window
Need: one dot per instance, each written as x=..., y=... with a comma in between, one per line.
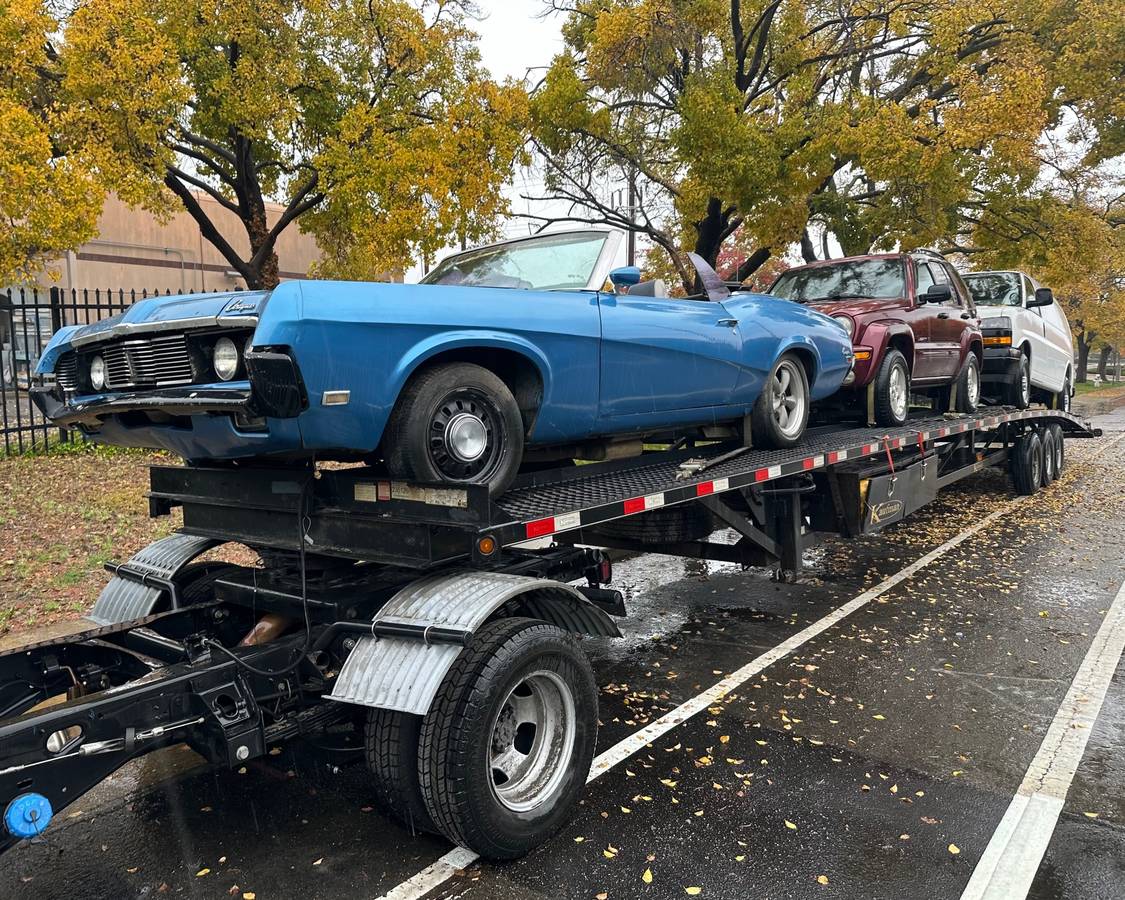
x=923, y=279
x=960, y=291
x=844, y=280
x=939, y=273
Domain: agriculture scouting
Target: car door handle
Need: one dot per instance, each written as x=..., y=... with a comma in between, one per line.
x=943, y=315
x=730, y=323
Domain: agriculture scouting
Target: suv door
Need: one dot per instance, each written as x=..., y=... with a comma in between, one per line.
x=947, y=322
x=928, y=357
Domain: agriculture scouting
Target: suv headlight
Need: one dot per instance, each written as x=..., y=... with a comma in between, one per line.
x=847, y=322
x=97, y=373
x=225, y=358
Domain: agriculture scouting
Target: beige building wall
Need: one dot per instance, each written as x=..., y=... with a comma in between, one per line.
x=135, y=251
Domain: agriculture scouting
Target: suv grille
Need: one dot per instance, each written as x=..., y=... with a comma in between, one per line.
x=147, y=362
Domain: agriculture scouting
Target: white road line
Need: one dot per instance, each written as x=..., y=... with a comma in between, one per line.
x=437, y=873
x=1012, y=857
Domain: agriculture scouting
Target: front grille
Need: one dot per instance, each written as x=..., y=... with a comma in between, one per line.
x=66, y=372
x=147, y=362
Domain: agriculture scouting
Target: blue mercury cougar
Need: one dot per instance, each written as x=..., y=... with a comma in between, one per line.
x=529, y=350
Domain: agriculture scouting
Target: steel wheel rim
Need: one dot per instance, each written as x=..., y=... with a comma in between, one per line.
x=787, y=399
x=897, y=392
x=1025, y=386
x=1066, y=397
x=533, y=737
x=463, y=439
x=972, y=385
x=1036, y=468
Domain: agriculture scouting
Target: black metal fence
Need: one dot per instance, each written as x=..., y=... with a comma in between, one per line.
x=28, y=318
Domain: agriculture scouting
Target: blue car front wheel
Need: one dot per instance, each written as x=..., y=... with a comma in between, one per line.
x=455, y=423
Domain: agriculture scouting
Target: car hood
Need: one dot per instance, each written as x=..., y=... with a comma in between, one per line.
x=994, y=312
x=157, y=314
x=856, y=307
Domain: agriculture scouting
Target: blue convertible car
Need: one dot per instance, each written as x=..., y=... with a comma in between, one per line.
x=515, y=352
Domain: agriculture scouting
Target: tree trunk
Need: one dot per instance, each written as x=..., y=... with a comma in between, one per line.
x=808, y=251
x=266, y=277
x=712, y=230
x=1103, y=361
x=1084, y=344
x=752, y=263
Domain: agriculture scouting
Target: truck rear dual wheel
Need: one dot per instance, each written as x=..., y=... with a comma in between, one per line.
x=1027, y=463
x=506, y=746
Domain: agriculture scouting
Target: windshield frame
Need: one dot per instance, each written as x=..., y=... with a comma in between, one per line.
x=837, y=263
x=599, y=274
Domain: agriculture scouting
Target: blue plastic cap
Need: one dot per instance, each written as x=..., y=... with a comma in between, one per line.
x=28, y=815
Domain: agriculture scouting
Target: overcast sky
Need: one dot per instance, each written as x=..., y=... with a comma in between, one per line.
x=515, y=37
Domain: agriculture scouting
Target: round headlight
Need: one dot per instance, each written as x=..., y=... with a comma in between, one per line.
x=225, y=359
x=97, y=373
x=846, y=321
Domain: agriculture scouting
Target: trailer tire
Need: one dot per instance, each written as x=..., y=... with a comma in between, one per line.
x=474, y=723
x=1027, y=463
x=1047, y=437
x=390, y=744
x=1060, y=447
x=666, y=525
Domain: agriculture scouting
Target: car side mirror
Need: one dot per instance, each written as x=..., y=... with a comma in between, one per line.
x=937, y=293
x=1043, y=297
x=624, y=278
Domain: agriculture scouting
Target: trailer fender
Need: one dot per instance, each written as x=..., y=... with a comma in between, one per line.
x=135, y=595
x=404, y=673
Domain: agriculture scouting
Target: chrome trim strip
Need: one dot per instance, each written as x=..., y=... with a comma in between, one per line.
x=141, y=328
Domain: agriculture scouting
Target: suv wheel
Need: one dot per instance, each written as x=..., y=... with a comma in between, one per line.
x=968, y=385
x=892, y=390
x=1018, y=393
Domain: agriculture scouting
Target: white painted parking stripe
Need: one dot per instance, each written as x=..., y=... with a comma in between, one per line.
x=1013, y=855
x=439, y=872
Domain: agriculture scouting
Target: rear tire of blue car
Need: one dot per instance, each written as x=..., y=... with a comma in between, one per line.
x=456, y=423
x=779, y=417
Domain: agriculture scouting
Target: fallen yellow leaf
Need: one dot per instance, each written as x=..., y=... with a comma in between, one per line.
x=202, y=872
x=692, y=891
x=954, y=849
x=1090, y=815
x=822, y=879
x=647, y=877
x=790, y=825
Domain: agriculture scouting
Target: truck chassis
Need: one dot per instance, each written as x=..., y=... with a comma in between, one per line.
x=420, y=617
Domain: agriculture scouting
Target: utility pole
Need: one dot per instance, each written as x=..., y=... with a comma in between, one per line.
x=631, y=238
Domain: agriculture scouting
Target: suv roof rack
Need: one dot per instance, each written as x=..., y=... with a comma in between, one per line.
x=926, y=251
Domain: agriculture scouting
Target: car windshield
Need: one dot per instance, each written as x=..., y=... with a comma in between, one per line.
x=994, y=288
x=846, y=280
x=552, y=262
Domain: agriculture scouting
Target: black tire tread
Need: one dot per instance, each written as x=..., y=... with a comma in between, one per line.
x=445, y=725
x=762, y=429
x=391, y=753
x=963, y=380
x=1012, y=390
x=883, y=413
x=1021, y=467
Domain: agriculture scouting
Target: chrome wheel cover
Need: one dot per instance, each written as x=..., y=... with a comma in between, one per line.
x=533, y=738
x=898, y=392
x=972, y=385
x=787, y=399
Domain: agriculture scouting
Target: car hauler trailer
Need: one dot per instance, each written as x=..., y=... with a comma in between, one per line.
x=434, y=622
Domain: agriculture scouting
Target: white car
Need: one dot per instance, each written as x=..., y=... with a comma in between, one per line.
x=1028, y=350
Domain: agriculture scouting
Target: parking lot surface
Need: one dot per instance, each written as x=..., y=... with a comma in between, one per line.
x=913, y=711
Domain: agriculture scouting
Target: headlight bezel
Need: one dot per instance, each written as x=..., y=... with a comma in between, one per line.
x=97, y=372
x=232, y=357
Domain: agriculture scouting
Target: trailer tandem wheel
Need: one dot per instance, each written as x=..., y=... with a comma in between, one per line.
x=508, y=742
x=1050, y=473
x=1027, y=463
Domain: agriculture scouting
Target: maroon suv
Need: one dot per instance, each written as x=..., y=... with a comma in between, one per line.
x=913, y=325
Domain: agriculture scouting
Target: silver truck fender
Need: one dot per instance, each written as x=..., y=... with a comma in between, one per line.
x=404, y=673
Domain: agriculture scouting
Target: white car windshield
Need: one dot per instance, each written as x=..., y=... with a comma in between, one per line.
x=994, y=288
x=551, y=262
x=846, y=280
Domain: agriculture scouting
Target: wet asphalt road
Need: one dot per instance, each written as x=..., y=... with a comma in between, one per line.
x=846, y=769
